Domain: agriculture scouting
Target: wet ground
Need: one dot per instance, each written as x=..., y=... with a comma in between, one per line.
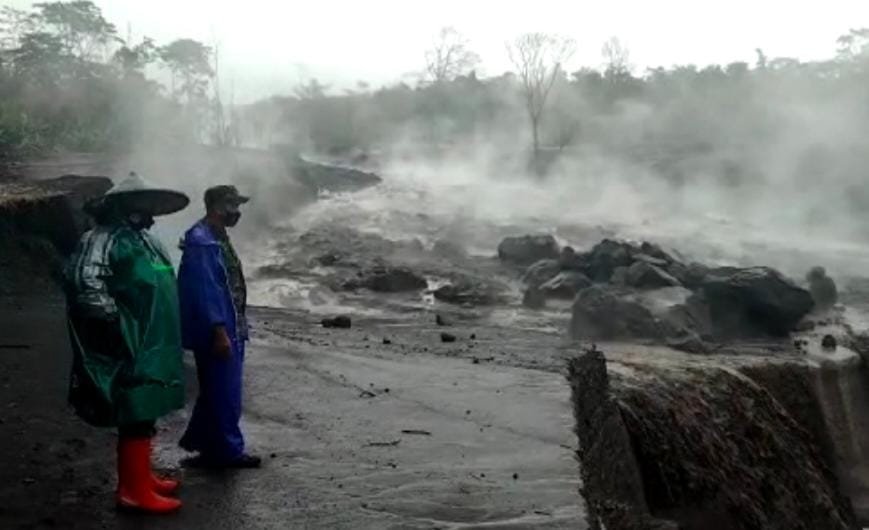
x=356, y=433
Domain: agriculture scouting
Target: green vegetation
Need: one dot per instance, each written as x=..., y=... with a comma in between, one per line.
x=68, y=81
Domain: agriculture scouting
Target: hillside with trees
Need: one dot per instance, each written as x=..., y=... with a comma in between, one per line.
x=70, y=81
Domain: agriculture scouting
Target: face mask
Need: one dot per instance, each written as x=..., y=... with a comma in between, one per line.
x=140, y=220
x=231, y=215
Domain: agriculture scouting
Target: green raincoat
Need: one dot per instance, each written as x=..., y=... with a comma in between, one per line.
x=124, y=328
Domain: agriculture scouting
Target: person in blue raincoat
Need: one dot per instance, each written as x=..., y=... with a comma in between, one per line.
x=213, y=299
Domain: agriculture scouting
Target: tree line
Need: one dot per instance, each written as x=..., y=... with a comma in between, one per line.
x=542, y=106
x=70, y=81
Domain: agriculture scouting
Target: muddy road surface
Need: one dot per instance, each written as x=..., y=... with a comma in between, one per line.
x=379, y=426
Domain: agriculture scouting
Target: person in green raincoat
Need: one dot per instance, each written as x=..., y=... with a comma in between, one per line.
x=124, y=329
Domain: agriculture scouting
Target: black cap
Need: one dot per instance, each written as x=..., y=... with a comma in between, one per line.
x=223, y=194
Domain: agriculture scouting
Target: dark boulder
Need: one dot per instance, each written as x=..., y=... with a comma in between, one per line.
x=324, y=177
x=606, y=257
x=386, y=279
x=690, y=276
x=600, y=313
x=654, y=251
x=469, y=291
x=569, y=260
x=756, y=301
x=448, y=337
x=829, y=342
x=339, y=322
x=447, y=249
x=526, y=250
x=645, y=258
x=644, y=275
x=689, y=318
x=328, y=259
x=541, y=272
x=619, y=277
x=565, y=285
x=395, y=279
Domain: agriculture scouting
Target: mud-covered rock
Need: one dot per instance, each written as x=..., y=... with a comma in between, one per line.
x=325, y=177
x=756, y=301
x=469, y=291
x=447, y=337
x=655, y=251
x=525, y=250
x=569, y=260
x=339, y=322
x=448, y=249
x=565, y=285
x=386, y=279
x=619, y=277
x=328, y=259
x=600, y=313
x=541, y=272
x=643, y=274
x=689, y=318
x=605, y=257
x=651, y=260
x=691, y=275
x=613, y=486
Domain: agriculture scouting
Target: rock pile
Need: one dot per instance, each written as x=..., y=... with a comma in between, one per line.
x=614, y=287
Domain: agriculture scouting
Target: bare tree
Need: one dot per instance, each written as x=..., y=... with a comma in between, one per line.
x=617, y=59
x=310, y=89
x=538, y=58
x=14, y=24
x=449, y=56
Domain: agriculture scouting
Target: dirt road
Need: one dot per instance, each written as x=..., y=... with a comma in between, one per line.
x=356, y=433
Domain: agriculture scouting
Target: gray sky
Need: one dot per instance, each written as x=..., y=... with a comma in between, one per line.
x=268, y=46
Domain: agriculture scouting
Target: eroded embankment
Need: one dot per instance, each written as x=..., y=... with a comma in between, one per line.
x=39, y=223
x=668, y=441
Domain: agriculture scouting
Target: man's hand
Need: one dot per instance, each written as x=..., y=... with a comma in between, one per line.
x=222, y=344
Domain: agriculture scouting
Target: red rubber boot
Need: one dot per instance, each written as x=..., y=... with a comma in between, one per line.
x=134, y=479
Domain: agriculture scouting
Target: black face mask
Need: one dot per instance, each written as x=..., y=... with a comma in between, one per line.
x=231, y=218
x=229, y=214
x=140, y=220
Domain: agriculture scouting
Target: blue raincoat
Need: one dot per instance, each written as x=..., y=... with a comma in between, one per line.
x=205, y=302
